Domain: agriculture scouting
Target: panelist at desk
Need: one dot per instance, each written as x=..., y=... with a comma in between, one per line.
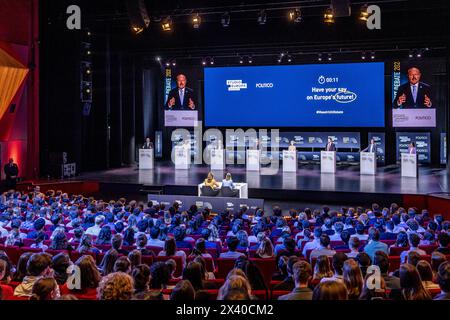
x=148, y=144
x=372, y=147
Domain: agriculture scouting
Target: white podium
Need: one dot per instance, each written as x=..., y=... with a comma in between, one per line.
x=368, y=163
x=409, y=165
x=217, y=159
x=289, y=161
x=253, y=160
x=328, y=161
x=182, y=158
x=146, y=159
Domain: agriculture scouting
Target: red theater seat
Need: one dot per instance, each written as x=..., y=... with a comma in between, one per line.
x=267, y=268
x=223, y=267
x=278, y=293
x=395, y=251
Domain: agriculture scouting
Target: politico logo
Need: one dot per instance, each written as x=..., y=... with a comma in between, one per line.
x=236, y=85
x=264, y=85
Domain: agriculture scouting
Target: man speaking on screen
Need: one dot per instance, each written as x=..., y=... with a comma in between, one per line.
x=414, y=93
x=181, y=97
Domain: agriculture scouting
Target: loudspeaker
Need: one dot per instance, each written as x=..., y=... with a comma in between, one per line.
x=341, y=8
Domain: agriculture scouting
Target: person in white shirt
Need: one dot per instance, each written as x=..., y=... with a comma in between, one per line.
x=95, y=229
x=313, y=244
x=153, y=241
x=3, y=232
x=414, y=241
x=338, y=228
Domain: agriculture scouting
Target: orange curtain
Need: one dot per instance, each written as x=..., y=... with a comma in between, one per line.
x=12, y=75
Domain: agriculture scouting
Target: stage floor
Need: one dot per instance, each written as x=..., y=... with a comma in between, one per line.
x=307, y=179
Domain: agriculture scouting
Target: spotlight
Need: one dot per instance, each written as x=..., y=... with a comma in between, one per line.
x=167, y=24
x=363, y=56
x=329, y=57
x=158, y=59
x=241, y=60
x=174, y=62
x=211, y=61
x=419, y=54
x=137, y=29
x=295, y=15
x=88, y=33
x=262, y=17
x=289, y=58
x=89, y=52
x=372, y=55
x=250, y=59
x=225, y=20
x=88, y=71
x=411, y=54
x=168, y=64
x=204, y=62
x=363, y=14
x=319, y=57
x=196, y=21
x=328, y=17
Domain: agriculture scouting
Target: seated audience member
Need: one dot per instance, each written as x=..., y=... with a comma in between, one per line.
x=39, y=242
x=426, y=275
x=349, y=226
x=234, y=282
x=109, y=259
x=443, y=280
x=15, y=237
x=170, y=250
x=338, y=263
x=443, y=241
x=307, y=237
x=253, y=273
x=345, y=238
x=104, y=236
x=122, y=264
x=116, y=243
x=195, y=274
x=372, y=292
x=353, y=279
x=60, y=263
x=179, y=234
x=314, y=243
x=375, y=244
x=89, y=279
x=288, y=282
x=265, y=249
x=207, y=275
x=389, y=234
x=353, y=244
x=6, y=292
x=128, y=237
x=381, y=259
x=183, y=291
x=414, y=241
x=232, y=244
x=364, y=262
x=436, y=259
x=281, y=272
x=154, y=241
x=141, y=245
x=77, y=235
x=429, y=239
x=323, y=249
x=21, y=268
x=402, y=240
x=322, y=269
x=86, y=245
x=338, y=228
x=160, y=275
x=287, y=248
x=38, y=226
x=141, y=280
x=360, y=232
x=302, y=273
x=115, y=286
x=243, y=240
x=135, y=257
x=411, y=285
x=95, y=229
x=330, y=290
x=38, y=266
x=60, y=242
x=44, y=289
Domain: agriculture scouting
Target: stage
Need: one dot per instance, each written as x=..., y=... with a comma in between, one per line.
x=308, y=184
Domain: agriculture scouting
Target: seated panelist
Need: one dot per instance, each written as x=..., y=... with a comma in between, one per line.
x=228, y=181
x=211, y=182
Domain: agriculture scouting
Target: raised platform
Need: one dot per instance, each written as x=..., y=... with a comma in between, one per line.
x=307, y=184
